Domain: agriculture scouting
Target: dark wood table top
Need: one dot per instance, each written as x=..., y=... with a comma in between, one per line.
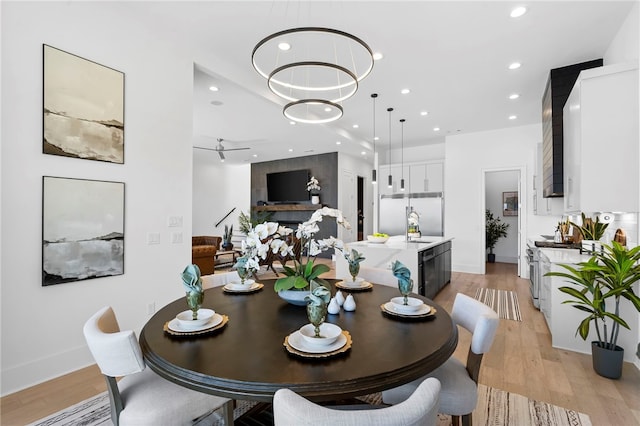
x=247, y=360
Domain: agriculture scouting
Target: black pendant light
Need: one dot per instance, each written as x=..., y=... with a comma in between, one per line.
x=402, y=152
x=390, y=178
x=374, y=172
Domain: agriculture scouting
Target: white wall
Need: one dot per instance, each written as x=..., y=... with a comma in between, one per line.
x=467, y=157
x=625, y=46
x=218, y=188
x=157, y=172
x=496, y=183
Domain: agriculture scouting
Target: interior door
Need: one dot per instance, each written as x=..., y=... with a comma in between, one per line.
x=348, y=205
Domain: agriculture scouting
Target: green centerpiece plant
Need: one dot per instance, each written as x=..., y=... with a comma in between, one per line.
x=608, y=276
x=495, y=229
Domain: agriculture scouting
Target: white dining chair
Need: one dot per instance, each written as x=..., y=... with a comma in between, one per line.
x=142, y=397
x=459, y=394
x=220, y=279
x=420, y=409
x=378, y=276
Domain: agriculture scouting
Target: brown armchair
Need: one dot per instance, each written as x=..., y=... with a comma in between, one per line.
x=203, y=253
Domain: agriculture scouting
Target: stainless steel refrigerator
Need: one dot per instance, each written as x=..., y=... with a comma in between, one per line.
x=428, y=205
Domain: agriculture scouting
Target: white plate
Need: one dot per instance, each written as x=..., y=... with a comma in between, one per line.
x=413, y=305
x=358, y=283
x=247, y=282
x=297, y=342
x=174, y=325
x=248, y=285
x=424, y=310
x=185, y=318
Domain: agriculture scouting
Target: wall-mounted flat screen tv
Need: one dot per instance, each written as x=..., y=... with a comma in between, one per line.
x=288, y=187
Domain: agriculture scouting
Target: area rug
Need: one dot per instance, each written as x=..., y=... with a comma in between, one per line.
x=495, y=408
x=504, y=302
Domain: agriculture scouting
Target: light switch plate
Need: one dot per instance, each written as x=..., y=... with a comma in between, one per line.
x=176, y=237
x=174, y=221
x=153, y=238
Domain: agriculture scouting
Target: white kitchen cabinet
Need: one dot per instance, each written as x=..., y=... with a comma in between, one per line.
x=601, y=141
x=396, y=173
x=428, y=177
x=544, y=206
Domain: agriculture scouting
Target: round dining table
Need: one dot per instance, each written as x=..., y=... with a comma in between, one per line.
x=246, y=359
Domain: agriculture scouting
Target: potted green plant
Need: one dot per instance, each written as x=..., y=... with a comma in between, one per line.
x=609, y=275
x=226, y=237
x=495, y=229
x=591, y=231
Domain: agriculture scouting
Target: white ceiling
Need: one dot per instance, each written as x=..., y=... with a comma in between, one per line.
x=452, y=55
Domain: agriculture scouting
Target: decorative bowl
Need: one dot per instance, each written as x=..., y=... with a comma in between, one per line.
x=413, y=304
x=329, y=333
x=374, y=239
x=349, y=282
x=185, y=318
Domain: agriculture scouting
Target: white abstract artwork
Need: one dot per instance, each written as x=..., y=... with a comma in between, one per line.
x=83, y=108
x=82, y=229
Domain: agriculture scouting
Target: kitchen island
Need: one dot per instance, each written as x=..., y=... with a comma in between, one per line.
x=428, y=260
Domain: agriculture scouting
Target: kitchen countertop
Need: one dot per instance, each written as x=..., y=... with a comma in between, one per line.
x=398, y=242
x=571, y=256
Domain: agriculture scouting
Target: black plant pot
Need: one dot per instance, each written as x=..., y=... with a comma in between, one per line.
x=607, y=362
x=227, y=246
x=491, y=257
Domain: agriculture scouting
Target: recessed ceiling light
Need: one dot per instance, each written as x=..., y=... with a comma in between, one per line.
x=515, y=66
x=423, y=113
x=255, y=155
x=338, y=143
x=284, y=46
x=222, y=160
x=293, y=123
x=514, y=96
x=327, y=109
x=363, y=153
x=405, y=91
x=377, y=138
x=355, y=126
x=513, y=117
x=377, y=56
x=290, y=149
x=518, y=11
x=213, y=88
x=436, y=129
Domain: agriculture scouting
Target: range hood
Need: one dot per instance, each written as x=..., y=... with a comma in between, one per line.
x=559, y=85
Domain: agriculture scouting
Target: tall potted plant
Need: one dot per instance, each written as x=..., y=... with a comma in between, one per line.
x=226, y=237
x=609, y=275
x=495, y=229
x=591, y=231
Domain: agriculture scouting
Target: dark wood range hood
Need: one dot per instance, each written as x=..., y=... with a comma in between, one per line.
x=559, y=85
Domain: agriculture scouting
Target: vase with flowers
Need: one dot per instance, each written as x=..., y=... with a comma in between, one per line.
x=313, y=186
x=269, y=236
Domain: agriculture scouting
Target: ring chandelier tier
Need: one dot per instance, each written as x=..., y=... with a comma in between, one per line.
x=313, y=68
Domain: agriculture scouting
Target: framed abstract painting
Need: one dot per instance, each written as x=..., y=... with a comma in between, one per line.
x=83, y=108
x=82, y=229
x=510, y=203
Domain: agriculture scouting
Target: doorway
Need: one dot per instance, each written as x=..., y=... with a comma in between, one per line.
x=360, y=213
x=505, y=198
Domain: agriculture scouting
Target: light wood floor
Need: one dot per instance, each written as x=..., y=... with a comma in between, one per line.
x=521, y=361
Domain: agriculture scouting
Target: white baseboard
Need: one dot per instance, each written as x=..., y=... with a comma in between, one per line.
x=33, y=373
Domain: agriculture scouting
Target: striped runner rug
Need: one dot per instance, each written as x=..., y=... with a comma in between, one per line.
x=495, y=408
x=504, y=302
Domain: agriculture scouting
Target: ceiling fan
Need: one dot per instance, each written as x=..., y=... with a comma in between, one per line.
x=220, y=149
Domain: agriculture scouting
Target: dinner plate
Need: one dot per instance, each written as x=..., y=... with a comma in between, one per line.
x=247, y=282
x=175, y=325
x=350, y=285
x=425, y=310
x=299, y=343
x=243, y=288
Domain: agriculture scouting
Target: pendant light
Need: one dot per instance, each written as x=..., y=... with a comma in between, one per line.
x=374, y=172
x=390, y=183
x=402, y=153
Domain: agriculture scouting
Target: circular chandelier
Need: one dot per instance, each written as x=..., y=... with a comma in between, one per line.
x=314, y=69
